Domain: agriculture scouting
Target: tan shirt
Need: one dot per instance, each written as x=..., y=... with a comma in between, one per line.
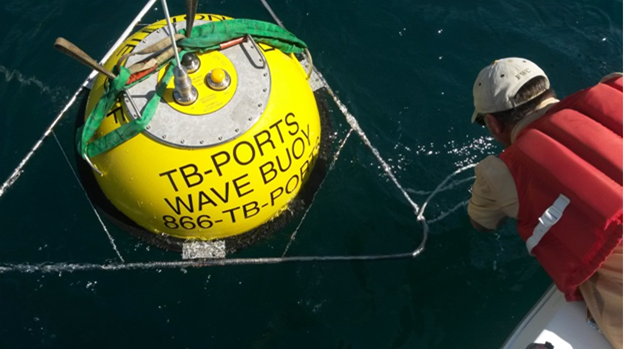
x=494, y=194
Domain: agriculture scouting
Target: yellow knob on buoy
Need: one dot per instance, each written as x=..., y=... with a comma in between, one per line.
x=217, y=76
x=218, y=79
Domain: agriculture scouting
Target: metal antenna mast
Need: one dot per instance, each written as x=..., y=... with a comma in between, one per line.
x=184, y=93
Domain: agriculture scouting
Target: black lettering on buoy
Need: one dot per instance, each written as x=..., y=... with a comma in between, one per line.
x=296, y=177
x=204, y=222
x=276, y=194
x=227, y=193
x=279, y=163
x=238, y=186
x=179, y=201
x=117, y=110
x=237, y=157
x=279, y=132
x=261, y=143
x=218, y=164
x=186, y=175
x=294, y=123
x=204, y=199
x=270, y=171
x=231, y=212
x=127, y=48
x=250, y=211
x=170, y=222
x=147, y=30
x=302, y=148
x=168, y=174
x=304, y=169
x=307, y=136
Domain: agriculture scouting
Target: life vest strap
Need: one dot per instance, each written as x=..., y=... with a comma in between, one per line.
x=549, y=218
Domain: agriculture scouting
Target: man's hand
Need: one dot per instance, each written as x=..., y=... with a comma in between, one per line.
x=479, y=227
x=483, y=229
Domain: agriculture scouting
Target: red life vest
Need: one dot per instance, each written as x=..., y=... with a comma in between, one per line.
x=573, y=152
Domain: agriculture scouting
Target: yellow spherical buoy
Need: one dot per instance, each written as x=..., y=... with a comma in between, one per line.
x=224, y=165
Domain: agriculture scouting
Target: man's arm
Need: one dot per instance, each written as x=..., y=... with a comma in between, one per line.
x=494, y=196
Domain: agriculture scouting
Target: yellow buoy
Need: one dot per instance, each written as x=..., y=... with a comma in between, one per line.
x=223, y=165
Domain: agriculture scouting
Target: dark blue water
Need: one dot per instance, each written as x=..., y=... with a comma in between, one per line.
x=405, y=70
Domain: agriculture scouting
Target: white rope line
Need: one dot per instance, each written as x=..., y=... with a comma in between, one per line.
x=305, y=214
x=447, y=213
x=448, y=187
x=110, y=238
x=441, y=185
x=71, y=267
x=128, y=31
x=8, y=183
x=268, y=8
x=19, y=169
x=355, y=126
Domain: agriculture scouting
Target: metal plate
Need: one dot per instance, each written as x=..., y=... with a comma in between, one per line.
x=195, y=131
x=203, y=249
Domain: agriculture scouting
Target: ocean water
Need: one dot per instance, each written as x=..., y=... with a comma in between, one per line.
x=404, y=69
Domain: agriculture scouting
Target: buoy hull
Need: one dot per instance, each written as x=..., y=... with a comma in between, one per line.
x=222, y=187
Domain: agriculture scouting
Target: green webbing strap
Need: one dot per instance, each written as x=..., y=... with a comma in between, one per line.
x=209, y=36
x=123, y=132
x=203, y=38
x=111, y=89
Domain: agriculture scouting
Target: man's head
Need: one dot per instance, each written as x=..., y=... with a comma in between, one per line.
x=506, y=91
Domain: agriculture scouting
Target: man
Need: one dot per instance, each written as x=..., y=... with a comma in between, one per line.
x=560, y=176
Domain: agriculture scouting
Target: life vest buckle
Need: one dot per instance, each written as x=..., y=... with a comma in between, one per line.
x=549, y=218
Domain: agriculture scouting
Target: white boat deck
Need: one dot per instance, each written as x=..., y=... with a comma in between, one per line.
x=561, y=323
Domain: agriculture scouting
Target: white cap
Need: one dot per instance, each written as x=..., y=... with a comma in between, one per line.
x=498, y=83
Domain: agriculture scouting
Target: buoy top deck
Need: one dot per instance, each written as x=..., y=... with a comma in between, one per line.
x=233, y=87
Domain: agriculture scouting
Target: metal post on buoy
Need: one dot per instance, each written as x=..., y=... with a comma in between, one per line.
x=190, y=60
x=184, y=92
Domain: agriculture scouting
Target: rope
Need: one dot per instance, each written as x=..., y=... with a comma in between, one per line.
x=447, y=213
x=110, y=238
x=448, y=187
x=355, y=126
x=20, y=168
x=8, y=183
x=441, y=185
x=305, y=214
x=277, y=20
x=71, y=267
